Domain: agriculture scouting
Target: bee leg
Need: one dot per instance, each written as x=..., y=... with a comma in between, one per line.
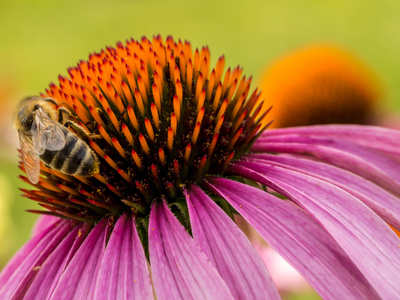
x=81, y=131
x=63, y=115
x=95, y=136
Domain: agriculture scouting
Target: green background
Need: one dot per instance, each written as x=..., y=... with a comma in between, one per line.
x=40, y=39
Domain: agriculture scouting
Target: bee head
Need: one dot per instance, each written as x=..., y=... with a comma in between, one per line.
x=27, y=109
x=26, y=123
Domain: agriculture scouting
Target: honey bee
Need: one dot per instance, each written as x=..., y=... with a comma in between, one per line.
x=42, y=126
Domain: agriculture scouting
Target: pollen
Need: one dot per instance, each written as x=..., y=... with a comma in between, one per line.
x=159, y=117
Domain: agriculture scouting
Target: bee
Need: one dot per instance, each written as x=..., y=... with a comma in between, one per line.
x=43, y=132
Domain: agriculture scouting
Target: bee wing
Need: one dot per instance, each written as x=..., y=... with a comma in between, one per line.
x=30, y=158
x=46, y=134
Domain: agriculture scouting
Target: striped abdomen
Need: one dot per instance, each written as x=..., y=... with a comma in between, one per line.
x=76, y=158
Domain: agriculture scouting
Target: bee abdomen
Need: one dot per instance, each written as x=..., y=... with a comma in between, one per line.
x=81, y=161
x=75, y=158
x=62, y=156
x=56, y=159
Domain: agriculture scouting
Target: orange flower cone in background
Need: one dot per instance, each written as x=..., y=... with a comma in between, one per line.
x=319, y=85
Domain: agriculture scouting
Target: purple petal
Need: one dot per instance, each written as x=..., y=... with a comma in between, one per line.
x=371, y=164
x=228, y=249
x=124, y=273
x=21, y=255
x=379, y=138
x=47, y=279
x=298, y=238
x=180, y=269
x=364, y=236
x=379, y=200
x=43, y=222
x=23, y=268
x=79, y=277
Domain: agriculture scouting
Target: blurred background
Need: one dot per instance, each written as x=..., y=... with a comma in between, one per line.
x=40, y=39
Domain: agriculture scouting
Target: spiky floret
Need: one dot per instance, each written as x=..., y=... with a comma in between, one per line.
x=164, y=120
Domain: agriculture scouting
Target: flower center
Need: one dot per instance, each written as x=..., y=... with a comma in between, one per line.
x=163, y=120
x=320, y=85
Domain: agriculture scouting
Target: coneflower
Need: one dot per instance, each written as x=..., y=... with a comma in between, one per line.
x=314, y=85
x=320, y=84
x=182, y=148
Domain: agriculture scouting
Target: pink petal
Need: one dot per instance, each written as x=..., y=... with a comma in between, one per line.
x=77, y=281
x=378, y=138
x=379, y=200
x=371, y=164
x=47, y=279
x=298, y=238
x=365, y=237
x=228, y=249
x=180, y=269
x=43, y=222
x=20, y=272
x=124, y=273
x=286, y=278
